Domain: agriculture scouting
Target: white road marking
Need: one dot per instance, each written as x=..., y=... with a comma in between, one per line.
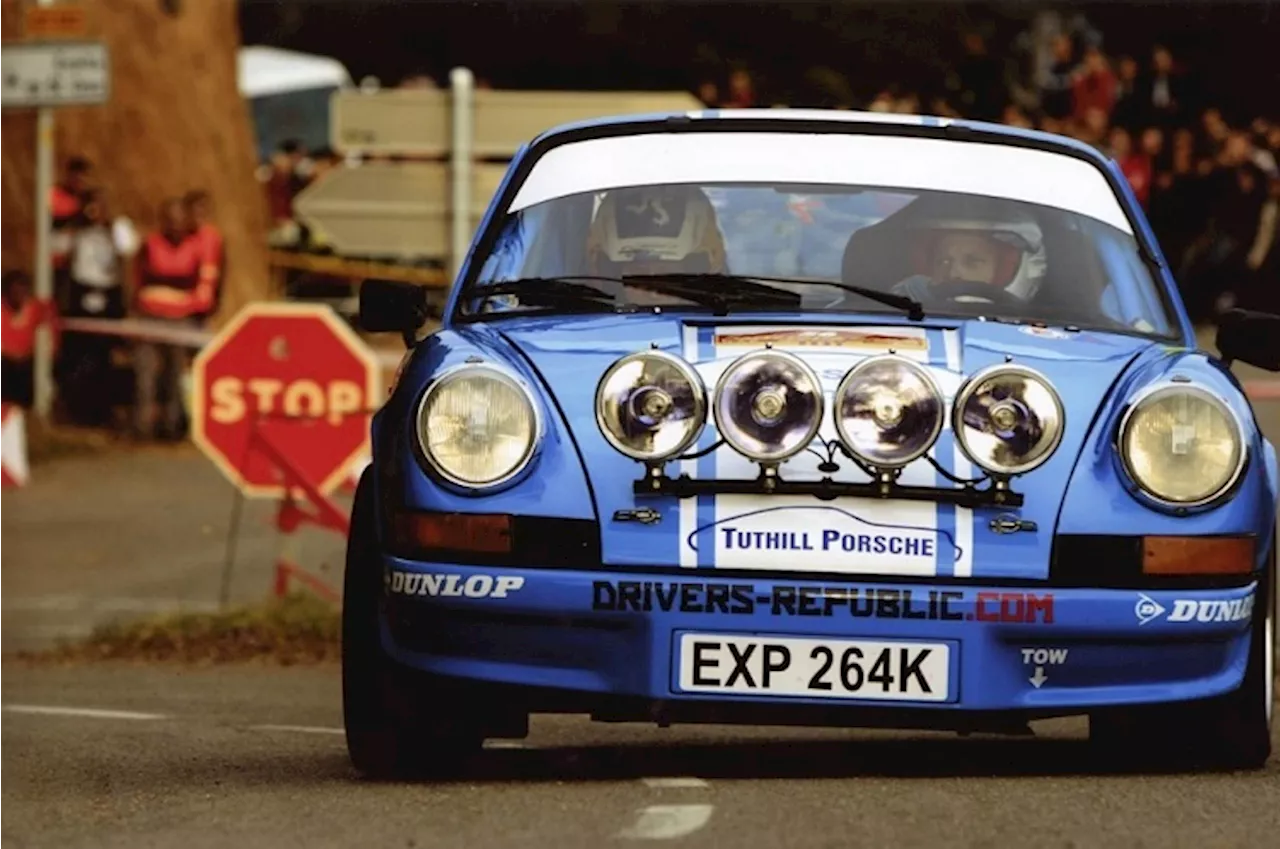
x=673, y=783
x=92, y=713
x=664, y=822
x=300, y=729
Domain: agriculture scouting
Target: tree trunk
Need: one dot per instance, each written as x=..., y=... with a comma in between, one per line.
x=175, y=122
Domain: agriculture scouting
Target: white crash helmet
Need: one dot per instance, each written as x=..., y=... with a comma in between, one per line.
x=1016, y=238
x=652, y=229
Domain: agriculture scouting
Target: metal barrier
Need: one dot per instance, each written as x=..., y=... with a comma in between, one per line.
x=355, y=270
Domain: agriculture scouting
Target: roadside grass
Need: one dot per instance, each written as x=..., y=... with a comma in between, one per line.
x=53, y=442
x=299, y=628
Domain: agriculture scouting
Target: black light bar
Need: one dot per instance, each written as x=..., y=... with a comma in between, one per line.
x=827, y=490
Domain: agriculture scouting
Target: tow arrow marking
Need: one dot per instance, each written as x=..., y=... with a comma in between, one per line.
x=1039, y=678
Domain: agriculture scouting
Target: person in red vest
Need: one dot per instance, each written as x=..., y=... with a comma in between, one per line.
x=20, y=315
x=213, y=249
x=1134, y=164
x=167, y=288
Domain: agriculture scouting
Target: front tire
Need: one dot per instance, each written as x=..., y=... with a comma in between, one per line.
x=394, y=728
x=1232, y=731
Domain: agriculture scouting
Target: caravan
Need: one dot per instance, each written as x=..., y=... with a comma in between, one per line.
x=289, y=94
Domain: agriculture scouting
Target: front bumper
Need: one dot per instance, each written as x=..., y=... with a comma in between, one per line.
x=605, y=635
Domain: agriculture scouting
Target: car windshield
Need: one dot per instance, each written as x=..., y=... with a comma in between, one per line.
x=992, y=250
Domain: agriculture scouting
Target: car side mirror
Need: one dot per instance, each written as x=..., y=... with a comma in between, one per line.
x=1250, y=337
x=392, y=306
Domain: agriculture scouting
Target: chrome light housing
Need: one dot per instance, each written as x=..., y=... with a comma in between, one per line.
x=888, y=411
x=478, y=425
x=651, y=405
x=768, y=405
x=1008, y=419
x=1182, y=445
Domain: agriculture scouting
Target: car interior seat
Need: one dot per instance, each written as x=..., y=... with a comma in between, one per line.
x=685, y=238
x=878, y=256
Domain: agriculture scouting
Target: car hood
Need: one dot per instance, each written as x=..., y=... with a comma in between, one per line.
x=847, y=535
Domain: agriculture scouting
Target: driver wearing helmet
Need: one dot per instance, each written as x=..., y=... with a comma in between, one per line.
x=655, y=230
x=975, y=260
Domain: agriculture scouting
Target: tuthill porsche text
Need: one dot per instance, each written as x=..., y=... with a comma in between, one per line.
x=828, y=540
x=966, y=467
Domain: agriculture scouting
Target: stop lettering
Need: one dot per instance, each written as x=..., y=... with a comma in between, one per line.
x=332, y=401
x=295, y=376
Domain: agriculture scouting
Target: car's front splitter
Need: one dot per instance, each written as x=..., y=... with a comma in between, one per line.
x=699, y=636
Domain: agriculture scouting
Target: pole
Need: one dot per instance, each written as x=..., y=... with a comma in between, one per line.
x=229, y=560
x=43, y=363
x=462, y=82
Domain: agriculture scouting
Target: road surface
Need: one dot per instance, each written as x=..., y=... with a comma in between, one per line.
x=251, y=756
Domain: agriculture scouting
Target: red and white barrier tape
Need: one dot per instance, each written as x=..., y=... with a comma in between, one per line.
x=141, y=330
x=156, y=330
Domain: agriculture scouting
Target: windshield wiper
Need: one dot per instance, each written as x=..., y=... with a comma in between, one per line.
x=553, y=291
x=752, y=286
x=724, y=291
x=575, y=289
x=720, y=291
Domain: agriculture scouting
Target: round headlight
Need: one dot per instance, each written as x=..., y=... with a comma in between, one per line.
x=1008, y=419
x=477, y=426
x=1182, y=445
x=651, y=405
x=888, y=411
x=768, y=405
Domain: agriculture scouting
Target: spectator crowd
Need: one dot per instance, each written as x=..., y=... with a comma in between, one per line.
x=104, y=269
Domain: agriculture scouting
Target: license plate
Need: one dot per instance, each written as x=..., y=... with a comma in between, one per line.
x=815, y=668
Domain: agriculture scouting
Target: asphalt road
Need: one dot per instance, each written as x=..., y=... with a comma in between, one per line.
x=252, y=756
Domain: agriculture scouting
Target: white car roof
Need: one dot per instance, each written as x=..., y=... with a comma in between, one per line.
x=987, y=168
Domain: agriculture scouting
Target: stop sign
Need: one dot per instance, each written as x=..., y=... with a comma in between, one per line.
x=296, y=373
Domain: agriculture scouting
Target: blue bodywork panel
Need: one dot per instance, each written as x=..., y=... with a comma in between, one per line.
x=795, y=567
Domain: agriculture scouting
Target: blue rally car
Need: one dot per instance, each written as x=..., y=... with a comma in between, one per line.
x=812, y=418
